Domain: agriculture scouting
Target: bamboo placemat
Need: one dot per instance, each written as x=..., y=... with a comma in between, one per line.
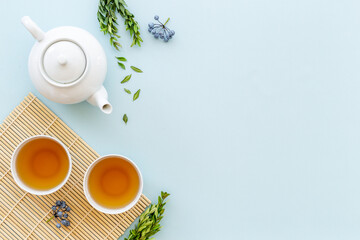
x=23, y=215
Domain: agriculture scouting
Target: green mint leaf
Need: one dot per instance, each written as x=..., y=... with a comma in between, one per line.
x=126, y=79
x=136, y=95
x=121, y=65
x=127, y=91
x=136, y=69
x=125, y=118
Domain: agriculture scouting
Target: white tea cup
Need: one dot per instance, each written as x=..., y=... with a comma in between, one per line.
x=42, y=151
x=125, y=161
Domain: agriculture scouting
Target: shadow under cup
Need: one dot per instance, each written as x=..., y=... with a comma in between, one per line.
x=113, y=184
x=41, y=165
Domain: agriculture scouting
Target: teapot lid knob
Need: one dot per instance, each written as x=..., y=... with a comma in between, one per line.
x=64, y=62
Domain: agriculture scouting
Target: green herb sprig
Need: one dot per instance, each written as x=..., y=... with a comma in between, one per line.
x=149, y=222
x=107, y=18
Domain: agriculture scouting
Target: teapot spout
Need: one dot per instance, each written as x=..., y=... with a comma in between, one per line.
x=100, y=99
x=37, y=33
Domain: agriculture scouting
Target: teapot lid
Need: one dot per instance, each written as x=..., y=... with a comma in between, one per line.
x=64, y=62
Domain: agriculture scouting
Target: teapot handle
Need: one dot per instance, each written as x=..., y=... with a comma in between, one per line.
x=37, y=33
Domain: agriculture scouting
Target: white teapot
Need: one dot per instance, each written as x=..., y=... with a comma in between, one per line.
x=68, y=65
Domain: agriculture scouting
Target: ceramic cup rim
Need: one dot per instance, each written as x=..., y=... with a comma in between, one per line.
x=16, y=176
x=111, y=210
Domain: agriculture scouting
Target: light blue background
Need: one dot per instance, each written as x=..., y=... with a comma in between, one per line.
x=249, y=116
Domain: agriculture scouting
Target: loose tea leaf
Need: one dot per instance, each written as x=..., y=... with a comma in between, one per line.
x=136, y=69
x=127, y=91
x=136, y=95
x=122, y=59
x=149, y=221
x=126, y=79
x=125, y=118
x=121, y=65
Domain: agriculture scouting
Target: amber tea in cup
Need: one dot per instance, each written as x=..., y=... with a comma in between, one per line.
x=41, y=165
x=113, y=184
